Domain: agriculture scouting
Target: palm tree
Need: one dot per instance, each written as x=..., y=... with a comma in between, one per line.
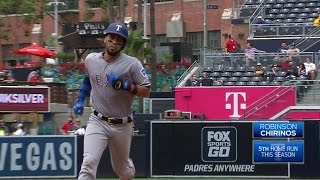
x=136, y=47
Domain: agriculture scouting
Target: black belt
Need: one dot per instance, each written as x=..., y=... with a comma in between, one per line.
x=112, y=120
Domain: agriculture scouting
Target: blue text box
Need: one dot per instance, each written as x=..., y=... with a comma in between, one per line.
x=278, y=129
x=278, y=152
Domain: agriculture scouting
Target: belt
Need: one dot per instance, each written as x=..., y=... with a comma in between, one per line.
x=113, y=120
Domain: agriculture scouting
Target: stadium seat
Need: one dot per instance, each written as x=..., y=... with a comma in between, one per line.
x=255, y=79
x=229, y=69
x=311, y=5
x=306, y=10
x=250, y=83
x=217, y=83
x=295, y=10
x=313, y=15
x=270, y=16
x=317, y=9
x=229, y=83
x=240, y=83
x=273, y=11
x=215, y=74
x=303, y=15
x=299, y=5
x=218, y=69
x=281, y=74
x=284, y=11
x=207, y=69
x=292, y=16
x=281, y=16
x=303, y=1
x=225, y=74
x=270, y=1
x=237, y=74
x=310, y=20
x=314, y=1
x=251, y=68
x=281, y=1
x=288, y=5
x=263, y=83
x=240, y=69
x=292, y=1
x=279, y=79
x=244, y=79
x=248, y=74
x=249, y=2
x=233, y=79
x=274, y=83
x=222, y=79
x=287, y=20
x=277, y=6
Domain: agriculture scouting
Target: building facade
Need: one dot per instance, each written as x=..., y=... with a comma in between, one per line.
x=184, y=16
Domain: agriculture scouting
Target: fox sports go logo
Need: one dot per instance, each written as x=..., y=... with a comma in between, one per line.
x=219, y=144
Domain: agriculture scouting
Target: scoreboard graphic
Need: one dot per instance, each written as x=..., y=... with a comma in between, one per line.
x=278, y=142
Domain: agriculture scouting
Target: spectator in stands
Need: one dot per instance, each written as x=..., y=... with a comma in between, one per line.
x=284, y=64
x=206, y=81
x=34, y=76
x=283, y=49
x=311, y=71
x=260, y=20
x=9, y=78
x=316, y=22
x=4, y=130
x=3, y=76
x=259, y=72
x=19, y=130
x=302, y=70
x=271, y=73
x=294, y=54
x=67, y=126
x=193, y=81
x=231, y=45
x=250, y=53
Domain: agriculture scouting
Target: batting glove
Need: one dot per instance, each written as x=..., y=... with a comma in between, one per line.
x=78, y=107
x=118, y=83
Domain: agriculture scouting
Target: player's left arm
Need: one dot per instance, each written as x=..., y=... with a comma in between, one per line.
x=141, y=83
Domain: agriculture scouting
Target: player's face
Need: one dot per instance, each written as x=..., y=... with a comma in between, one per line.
x=114, y=44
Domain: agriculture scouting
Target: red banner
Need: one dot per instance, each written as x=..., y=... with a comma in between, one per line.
x=24, y=99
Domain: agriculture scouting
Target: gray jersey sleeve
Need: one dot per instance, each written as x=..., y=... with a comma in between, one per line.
x=140, y=76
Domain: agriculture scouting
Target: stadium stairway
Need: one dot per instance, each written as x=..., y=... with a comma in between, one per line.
x=311, y=94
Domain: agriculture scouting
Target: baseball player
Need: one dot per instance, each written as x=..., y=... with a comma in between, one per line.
x=112, y=80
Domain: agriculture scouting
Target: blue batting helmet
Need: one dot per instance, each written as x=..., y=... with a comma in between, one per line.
x=119, y=29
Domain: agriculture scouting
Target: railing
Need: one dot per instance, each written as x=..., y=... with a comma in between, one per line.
x=194, y=64
x=239, y=59
x=267, y=99
x=281, y=30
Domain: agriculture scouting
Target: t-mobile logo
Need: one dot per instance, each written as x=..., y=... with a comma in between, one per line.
x=235, y=103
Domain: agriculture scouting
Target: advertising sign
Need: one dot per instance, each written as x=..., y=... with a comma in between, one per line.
x=38, y=156
x=278, y=152
x=206, y=148
x=217, y=145
x=24, y=99
x=234, y=102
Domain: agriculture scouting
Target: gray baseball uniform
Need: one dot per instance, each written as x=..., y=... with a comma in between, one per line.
x=110, y=103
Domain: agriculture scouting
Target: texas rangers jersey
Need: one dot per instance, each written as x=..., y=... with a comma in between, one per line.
x=105, y=99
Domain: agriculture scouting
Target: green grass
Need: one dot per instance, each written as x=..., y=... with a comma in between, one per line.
x=180, y=178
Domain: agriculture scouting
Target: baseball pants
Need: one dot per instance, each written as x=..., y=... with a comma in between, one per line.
x=99, y=135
